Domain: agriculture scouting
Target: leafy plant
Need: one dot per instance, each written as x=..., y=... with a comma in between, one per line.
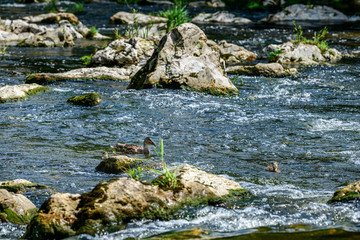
x=86, y=59
x=273, y=55
x=2, y=49
x=318, y=39
x=168, y=178
x=176, y=15
x=137, y=175
x=92, y=32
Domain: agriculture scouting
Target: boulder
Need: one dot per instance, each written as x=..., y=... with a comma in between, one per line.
x=184, y=59
x=52, y=18
x=263, y=69
x=20, y=185
x=233, y=54
x=300, y=53
x=113, y=163
x=349, y=193
x=112, y=204
x=50, y=38
x=104, y=73
x=90, y=99
x=220, y=17
x=131, y=18
x=21, y=91
x=207, y=3
x=301, y=12
x=15, y=208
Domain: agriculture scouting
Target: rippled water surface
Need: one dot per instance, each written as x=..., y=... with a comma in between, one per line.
x=309, y=124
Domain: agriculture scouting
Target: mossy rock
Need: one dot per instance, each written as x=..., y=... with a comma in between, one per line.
x=10, y=216
x=118, y=164
x=349, y=193
x=90, y=99
x=39, y=79
x=20, y=185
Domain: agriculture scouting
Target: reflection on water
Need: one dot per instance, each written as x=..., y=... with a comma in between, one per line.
x=309, y=124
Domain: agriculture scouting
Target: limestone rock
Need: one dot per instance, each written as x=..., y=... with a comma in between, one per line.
x=15, y=208
x=129, y=18
x=301, y=12
x=112, y=163
x=301, y=53
x=54, y=218
x=185, y=60
x=118, y=201
x=16, y=92
x=220, y=17
x=52, y=18
x=207, y=3
x=263, y=69
x=106, y=73
x=90, y=99
x=349, y=193
x=234, y=54
x=20, y=185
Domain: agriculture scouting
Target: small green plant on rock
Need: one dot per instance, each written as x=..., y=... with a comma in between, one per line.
x=168, y=178
x=86, y=59
x=92, y=32
x=273, y=55
x=2, y=49
x=318, y=39
x=137, y=175
x=176, y=15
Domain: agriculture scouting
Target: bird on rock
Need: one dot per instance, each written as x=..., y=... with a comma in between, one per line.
x=134, y=149
x=273, y=167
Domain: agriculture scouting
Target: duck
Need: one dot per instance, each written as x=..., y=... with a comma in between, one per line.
x=134, y=149
x=273, y=167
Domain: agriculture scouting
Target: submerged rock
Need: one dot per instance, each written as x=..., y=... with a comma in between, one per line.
x=15, y=208
x=104, y=73
x=306, y=54
x=112, y=163
x=349, y=193
x=90, y=99
x=263, y=69
x=301, y=12
x=21, y=91
x=184, y=59
x=116, y=202
x=220, y=17
x=130, y=18
x=20, y=185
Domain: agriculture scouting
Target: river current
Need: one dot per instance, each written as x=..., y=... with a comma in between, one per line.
x=309, y=124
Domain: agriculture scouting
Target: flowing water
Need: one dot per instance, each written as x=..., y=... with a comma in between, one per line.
x=309, y=124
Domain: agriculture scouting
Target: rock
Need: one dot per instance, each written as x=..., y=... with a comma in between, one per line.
x=301, y=12
x=131, y=54
x=117, y=163
x=105, y=73
x=185, y=60
x=306, y=54
x=234, y=54
x=220, y=17
x=54, y=218
x=349, y=193
x=90, y=99
x=263, y=69
x=52, y=18
x=15, y=208
x=21, y=91
x=50, y=38
x=130, y=18
x=116, y=202
x=154, y=33
x=20, y=185
x=207, y=3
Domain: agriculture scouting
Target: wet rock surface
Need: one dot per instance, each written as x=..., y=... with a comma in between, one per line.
x=113, y=163
x=21, y=91
x=349, y=193
x=90, y=99
x=120, y=200
x=185, y=60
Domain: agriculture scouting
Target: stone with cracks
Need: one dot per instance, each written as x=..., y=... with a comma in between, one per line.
x=112, y=204
x=184, y=59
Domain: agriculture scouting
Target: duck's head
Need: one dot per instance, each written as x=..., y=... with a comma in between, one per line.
x=148, y=141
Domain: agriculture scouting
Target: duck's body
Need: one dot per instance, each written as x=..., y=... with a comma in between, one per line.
x=273, y=167
x=134, y=149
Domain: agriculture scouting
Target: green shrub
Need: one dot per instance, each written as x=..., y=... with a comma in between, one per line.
x=317, y=40
x=92, y=32
x=176, y=15
x=86, y=59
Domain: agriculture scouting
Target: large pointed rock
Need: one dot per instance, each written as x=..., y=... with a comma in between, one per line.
x=184, y=59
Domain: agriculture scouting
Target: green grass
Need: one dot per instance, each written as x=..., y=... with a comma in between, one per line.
x=273, y=55
x=318, y=39
x=137, y=175
x=176, y=15
x=92, y=32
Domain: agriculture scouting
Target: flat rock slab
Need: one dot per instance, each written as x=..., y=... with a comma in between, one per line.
x=21, y=91
x=130, y=18
x=220, y=17
x=100, y=73
x=118, y=201
x=301, y=12
x=52, y=18
x=20, y=185
x=263, y=69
